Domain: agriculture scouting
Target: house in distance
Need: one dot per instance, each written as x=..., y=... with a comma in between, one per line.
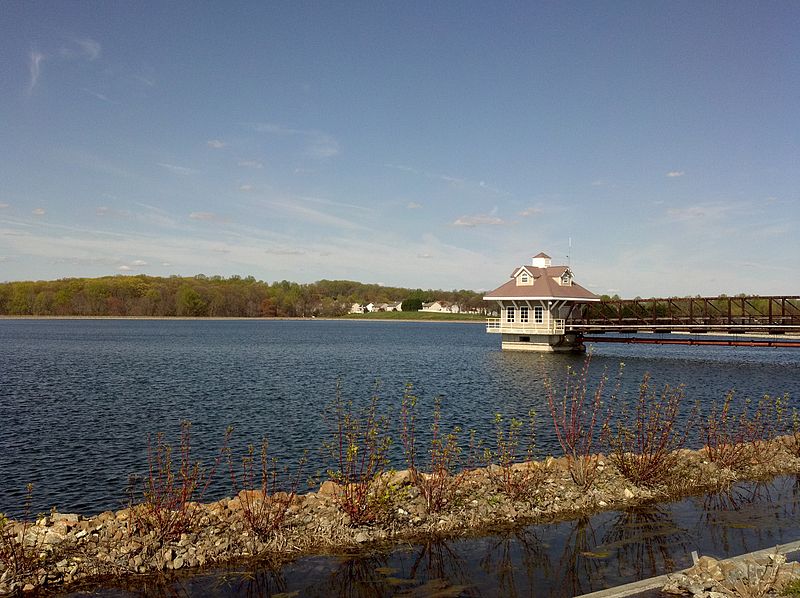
x=534, y=306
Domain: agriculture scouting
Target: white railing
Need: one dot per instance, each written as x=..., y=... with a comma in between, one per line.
x=499, y=325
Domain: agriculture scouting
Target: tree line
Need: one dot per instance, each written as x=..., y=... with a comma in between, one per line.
x=208, y=296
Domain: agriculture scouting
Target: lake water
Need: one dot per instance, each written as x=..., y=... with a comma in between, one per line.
x=78, y=398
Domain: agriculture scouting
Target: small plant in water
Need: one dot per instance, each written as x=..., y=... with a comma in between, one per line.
x=515, y=473
x=170, y=490
x=358, y=447
x=265, y=490
x=643, y=444
x=442, y=476
x=578, y=420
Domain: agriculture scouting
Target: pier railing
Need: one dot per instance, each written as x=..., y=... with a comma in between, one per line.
x=499, y=325
x=774, y=314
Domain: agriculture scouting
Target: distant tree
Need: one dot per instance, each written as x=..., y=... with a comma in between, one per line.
x=412, y=304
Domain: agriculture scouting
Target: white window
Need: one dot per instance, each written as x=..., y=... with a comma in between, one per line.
x=538, y=314
x=509, y=314
x=523, y=315
x=566, y=280
x=523, y=278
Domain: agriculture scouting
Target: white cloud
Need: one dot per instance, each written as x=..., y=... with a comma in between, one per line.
x=181, y=170
x=251, y=164
x=245, y=188
x=412, y=205
x=478, y=220
x=319, y=144
x=675, y=173
x=3, y=206
x=533, y=211
x=216, y=143
x=38, y=212
x=207, y=216
x=35, y=69
x=97, y=95
x=124, y=268
x=701, y=212
x=138, y=263
x=88, y=48
x=425, y=256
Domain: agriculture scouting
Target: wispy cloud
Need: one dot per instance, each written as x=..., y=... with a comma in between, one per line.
x=3, y=206
x=216, y=143
x=181, y=170
x=35, y=69
x=124, y=268
x=532, y=211
x=281, y=251
x=206, y=217
x=138, y=263
x=319, y=144
x=80, y=49
x=97, y=95
x=675, y=173
x=478, y=220
x=425, y=256
x=38, y=212
x=453, y=181
x=245, y=188
x=412, y=205
x=86, y=48
x=699, y=213
x=251, y=164
x=309, y=214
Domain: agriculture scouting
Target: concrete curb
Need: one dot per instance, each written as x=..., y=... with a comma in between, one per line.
x=656, y=583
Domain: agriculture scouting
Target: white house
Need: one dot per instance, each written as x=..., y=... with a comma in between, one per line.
x=534, y=305
x=357, y=308
x=440, y=307
x=395, y=306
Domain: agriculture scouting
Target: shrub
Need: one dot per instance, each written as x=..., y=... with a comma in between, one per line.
x=19, y=550
x=168, y=505
x=513, y=477
x=442, y=475
x=578, y=418
x=265, y=490
x=358, y=447
x=735, y=438
x=643, y=443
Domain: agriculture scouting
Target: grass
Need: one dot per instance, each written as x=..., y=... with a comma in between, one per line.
x=417, y=316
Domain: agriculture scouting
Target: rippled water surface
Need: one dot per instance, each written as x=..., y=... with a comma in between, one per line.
x=78, y=398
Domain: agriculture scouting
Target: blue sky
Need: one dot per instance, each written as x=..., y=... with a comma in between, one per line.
x=430, y=144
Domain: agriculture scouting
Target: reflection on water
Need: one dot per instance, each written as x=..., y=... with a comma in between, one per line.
x=559, y=559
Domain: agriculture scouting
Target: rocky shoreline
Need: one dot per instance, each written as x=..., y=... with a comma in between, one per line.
x=59, y=550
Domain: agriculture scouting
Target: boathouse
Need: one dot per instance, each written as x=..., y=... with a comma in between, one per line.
x=534, y=306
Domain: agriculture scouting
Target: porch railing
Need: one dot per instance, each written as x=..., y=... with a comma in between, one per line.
x=500, y=325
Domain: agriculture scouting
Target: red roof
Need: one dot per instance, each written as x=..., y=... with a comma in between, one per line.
x=544, y=287
x=541, y=254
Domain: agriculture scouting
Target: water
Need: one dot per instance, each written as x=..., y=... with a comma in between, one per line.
x=561, y=559
x=78, y=398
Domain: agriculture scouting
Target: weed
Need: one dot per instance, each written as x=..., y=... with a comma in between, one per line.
x=577, y=420
x=440, y=483
x=735, y=438
x=168, y=506
x=513, y=477
x=359, y=446
x=264, y=505
x=644, y=444
x=19, y=550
